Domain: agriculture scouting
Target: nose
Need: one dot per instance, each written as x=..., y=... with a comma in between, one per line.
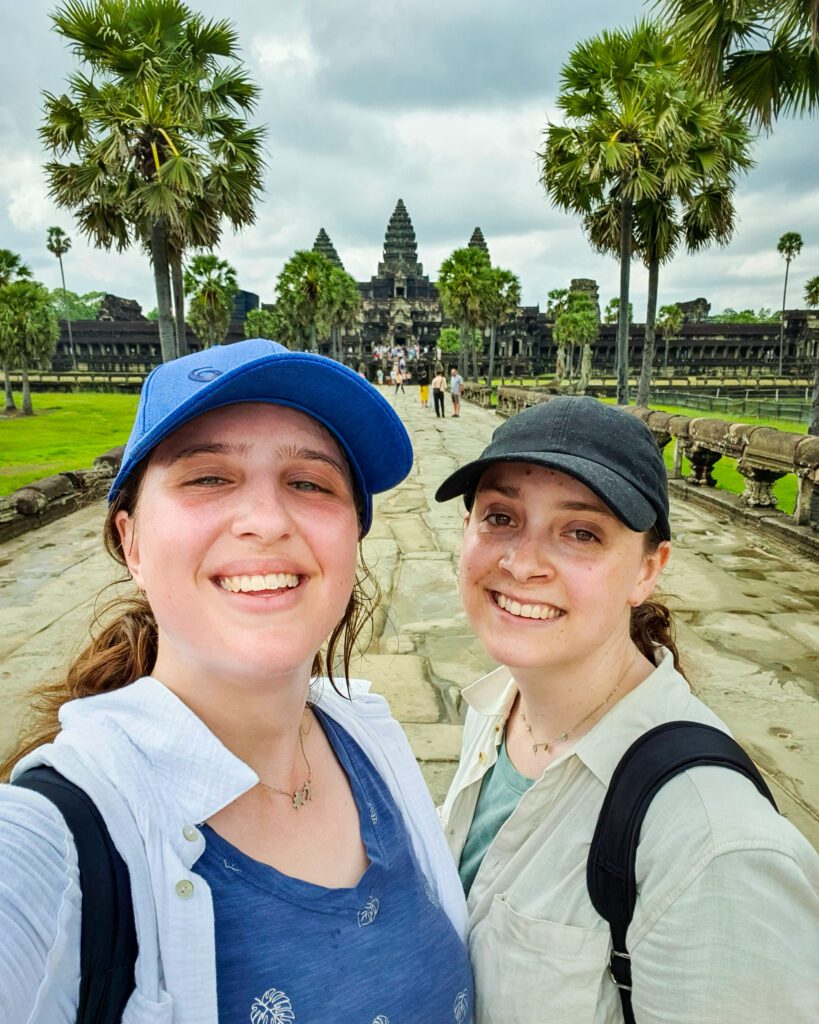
x=263, y=511
x=527, y=557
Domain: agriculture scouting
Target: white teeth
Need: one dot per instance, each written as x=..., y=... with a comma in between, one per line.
x=250, y=584
x=527, y=611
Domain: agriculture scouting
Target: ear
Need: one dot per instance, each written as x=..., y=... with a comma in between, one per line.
x=653, y=564
x=127, y=530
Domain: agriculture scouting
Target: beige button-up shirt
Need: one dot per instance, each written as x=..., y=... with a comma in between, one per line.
x=726, y=927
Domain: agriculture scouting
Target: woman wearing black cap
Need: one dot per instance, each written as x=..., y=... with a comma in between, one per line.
x=283, y=857
x=566, y=533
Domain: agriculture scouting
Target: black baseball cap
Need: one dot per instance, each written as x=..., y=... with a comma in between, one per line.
x=609, y=450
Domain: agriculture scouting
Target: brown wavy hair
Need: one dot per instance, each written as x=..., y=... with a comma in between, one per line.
x=123, y=644
x=652, y=622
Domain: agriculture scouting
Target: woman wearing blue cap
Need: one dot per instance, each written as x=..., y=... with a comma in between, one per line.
x=284, y=860
x=566, y=533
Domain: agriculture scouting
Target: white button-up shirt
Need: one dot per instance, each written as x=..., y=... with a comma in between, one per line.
x=726, y=927
x=155, y=770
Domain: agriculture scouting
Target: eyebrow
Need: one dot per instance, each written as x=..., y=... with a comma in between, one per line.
x=221, y=448
x=509, y=491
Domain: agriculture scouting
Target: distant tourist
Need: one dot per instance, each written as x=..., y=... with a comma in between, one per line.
x=438, y=389
x=423, y=387
x=567, y=531
x=379, y=376
x=456, y=385
x=283, y=856
x=398, y=375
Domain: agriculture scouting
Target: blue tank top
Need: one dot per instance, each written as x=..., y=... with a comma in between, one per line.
x=290, y=952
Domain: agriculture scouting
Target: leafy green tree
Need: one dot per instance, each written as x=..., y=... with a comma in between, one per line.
x=638, y=141
x=150, y=143
x=764, y=52
x=763, y=315
x=58, y=244
x=503, y=299
x=449, y=340
x=12, y=269
x=577, y=325
x=789, y=246
x=210, y=284
x=670, y=321
x=612, y=312
x=557, y=302
x=29, y=329
x=73, y=307
x=465, y=284
x=260, y=323
x=305, y=300
x=345, y=304
x=812, y=300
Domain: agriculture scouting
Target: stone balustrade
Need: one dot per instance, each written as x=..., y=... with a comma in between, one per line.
x=45, y=500
x=763, y=455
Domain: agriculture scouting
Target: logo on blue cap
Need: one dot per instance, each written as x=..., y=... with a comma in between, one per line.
x=204, y=374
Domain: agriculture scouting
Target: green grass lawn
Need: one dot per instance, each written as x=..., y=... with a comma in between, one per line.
x=67, y=431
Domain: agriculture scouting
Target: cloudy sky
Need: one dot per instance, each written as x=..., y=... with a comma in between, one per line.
x=442, y=104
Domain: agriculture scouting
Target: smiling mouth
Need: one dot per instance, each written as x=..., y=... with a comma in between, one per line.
x=271, y=581
x=526, y=611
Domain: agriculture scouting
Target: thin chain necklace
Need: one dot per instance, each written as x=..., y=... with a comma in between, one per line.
x=304, y=793
x=548, y=744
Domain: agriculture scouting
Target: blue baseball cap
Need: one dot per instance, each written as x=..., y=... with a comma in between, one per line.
x=370, y=433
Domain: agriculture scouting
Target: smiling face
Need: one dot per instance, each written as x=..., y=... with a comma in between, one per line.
x=244, y=541
x=548, y=574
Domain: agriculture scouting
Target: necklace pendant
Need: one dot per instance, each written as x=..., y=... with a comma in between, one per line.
x=534, y=747
x=298, y=799
x=307, y=791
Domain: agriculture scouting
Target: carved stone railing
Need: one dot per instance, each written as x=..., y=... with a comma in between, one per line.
x=43, y=501
x=763, y=455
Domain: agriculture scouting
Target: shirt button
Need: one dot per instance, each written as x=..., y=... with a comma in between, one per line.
x=190, y=833
x=482, y=757
x=184, y=889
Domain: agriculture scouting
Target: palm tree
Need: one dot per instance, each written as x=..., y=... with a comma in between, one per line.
x=503, y=298
x=812, y=300
x=619, y=96
x=789, y=246
x=155, y=132
x=344, y=303
x=211, y=285
x=577, y=324
x=12, y=269
x=764, y=52
x=260, y=323
x=58, y=243
x=304, y=300
x=670, y=321
x=464, y=284
x=29, y=328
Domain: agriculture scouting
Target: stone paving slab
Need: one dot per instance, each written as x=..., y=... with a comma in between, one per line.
x=748, y=612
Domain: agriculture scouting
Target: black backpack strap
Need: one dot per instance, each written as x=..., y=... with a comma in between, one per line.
x=651, y=761
x=108, y=947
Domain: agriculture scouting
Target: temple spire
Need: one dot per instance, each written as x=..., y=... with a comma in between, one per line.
x=477, y=241
x=400, y=247
x=324, y=245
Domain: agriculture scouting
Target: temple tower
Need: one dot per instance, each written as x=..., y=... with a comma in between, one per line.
x=400, y=247
x=477, y=241
x=324, y=245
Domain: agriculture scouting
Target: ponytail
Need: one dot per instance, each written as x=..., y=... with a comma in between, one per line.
x=652, y=622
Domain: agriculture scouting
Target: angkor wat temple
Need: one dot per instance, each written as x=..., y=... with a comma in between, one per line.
x=401, y=306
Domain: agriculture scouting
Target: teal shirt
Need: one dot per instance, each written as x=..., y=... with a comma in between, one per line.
x=501, y=789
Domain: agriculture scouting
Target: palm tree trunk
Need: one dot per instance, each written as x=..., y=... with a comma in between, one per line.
x=67, y=318
x=474, y=358
x=492, y=342
x=10, y=406
x=27, y=407
x=644, y=387
x=159, y=257
x=622, y=317
x=179, y=304
x=782, y=318
x=462, y=352
x=313, y=343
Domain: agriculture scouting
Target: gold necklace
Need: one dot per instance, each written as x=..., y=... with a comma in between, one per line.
x=548, y=744
x=304, y=793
